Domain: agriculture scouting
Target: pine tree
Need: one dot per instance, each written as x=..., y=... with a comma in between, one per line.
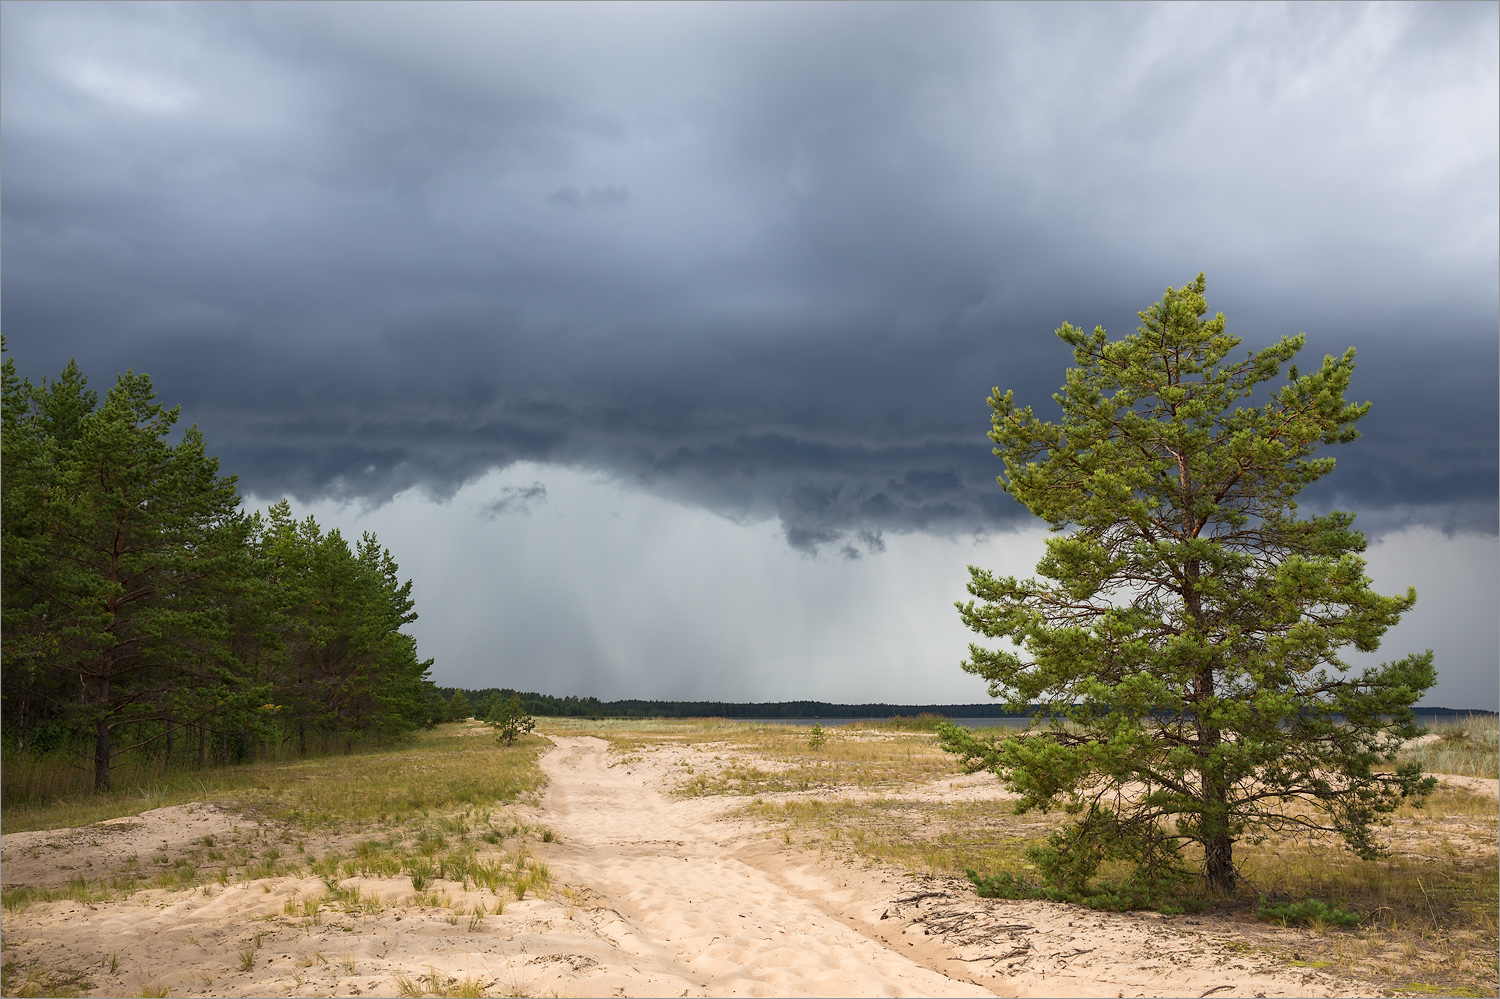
x=29, y=457
x=1184, y=637
x=339, y=664
x=128, y=566
x=509, y=718
x=139, y=603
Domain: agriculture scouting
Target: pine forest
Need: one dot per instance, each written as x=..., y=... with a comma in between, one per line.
x=149, y=619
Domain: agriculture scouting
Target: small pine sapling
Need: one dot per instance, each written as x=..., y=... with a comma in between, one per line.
x=509, y=719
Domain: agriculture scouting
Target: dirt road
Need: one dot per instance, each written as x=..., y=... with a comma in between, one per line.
x=728, y=911
x=726, y=916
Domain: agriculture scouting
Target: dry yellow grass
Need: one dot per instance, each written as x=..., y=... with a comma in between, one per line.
x=1468, y=746
x=427, y=810
x=749, y=758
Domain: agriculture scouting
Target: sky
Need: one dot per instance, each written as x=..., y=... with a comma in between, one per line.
x=654, y=339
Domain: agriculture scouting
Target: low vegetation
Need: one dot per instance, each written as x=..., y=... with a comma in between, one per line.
x=442, y=769
x=62, y=983
x=432, y=790
x=433, y=814
x=748, y=758
x=1468, y=746
x=1311, y=912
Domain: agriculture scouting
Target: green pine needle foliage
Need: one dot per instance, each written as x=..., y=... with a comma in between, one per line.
x=509, y=719
x=1183, y=635
x=1312, y=912
x=146, y=615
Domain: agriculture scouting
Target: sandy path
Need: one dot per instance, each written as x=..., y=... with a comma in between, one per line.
x=687, y=901
x=716, y=903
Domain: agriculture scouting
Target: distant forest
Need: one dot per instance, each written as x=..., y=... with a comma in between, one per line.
x=145, y=613
x=465, y=702
x=545, y=705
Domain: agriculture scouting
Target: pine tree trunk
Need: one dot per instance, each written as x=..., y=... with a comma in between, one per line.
x=28, y=720
x=1218, y=848
x=1218, y=857
x=101, y=736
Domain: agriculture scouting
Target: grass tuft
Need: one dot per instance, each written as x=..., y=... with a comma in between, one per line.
x=36, y=982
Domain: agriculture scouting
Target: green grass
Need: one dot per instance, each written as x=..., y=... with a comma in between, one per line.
x=442, y=769
x=20, y=897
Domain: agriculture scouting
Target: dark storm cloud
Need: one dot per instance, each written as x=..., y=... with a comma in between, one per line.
x=768, y=260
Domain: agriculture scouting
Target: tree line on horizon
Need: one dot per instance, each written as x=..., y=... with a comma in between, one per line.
x=465, y=702
x=458, y=703
x=145, y=613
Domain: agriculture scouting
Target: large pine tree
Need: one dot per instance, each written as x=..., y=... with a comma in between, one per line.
x=1186, y=631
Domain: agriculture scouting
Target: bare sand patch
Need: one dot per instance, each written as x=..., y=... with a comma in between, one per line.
x=1476, y=785
x=50, y=858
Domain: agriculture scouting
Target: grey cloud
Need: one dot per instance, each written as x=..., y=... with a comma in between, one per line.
x=594, y=199
x=870, y=543
x=366, y=250
x=514, y=500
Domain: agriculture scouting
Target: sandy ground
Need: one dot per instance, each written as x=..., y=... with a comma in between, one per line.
x=653, y=895
x=51, y=858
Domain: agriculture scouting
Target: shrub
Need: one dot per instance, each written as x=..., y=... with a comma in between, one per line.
x=510, y=719
x=1121, y=896
x=1312, y=911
